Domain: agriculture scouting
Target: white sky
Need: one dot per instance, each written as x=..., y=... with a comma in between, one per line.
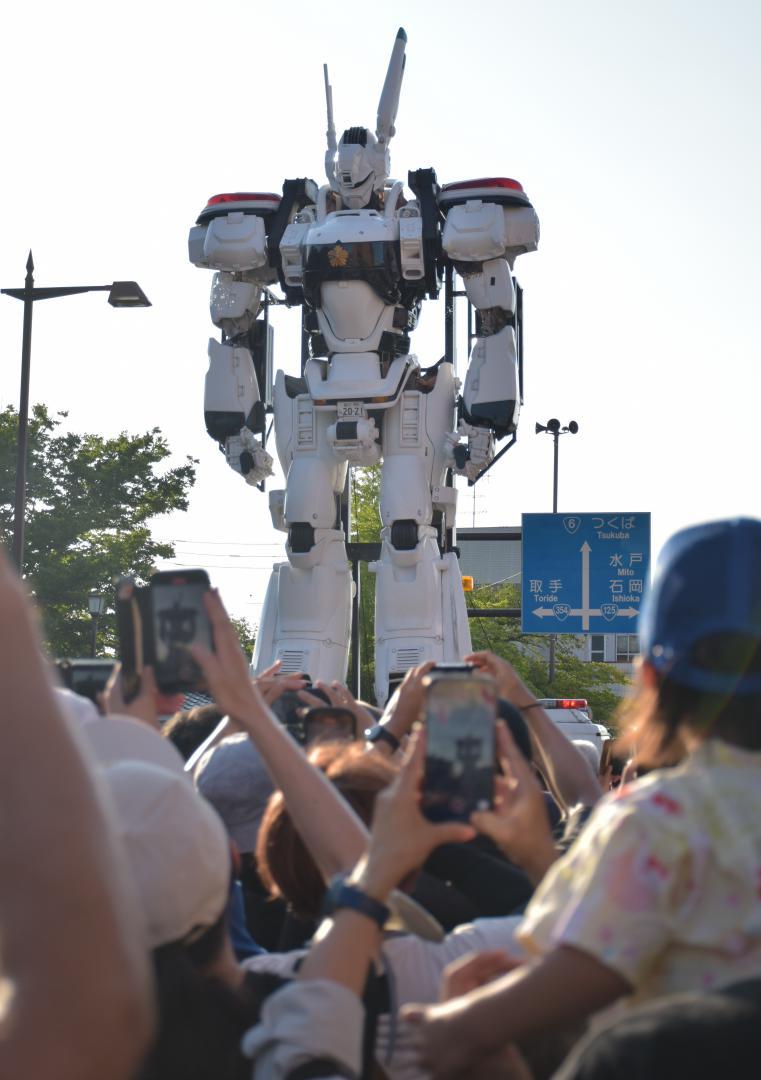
x=633, y=127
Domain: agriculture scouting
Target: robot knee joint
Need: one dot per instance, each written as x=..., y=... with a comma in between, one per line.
x=404, y=534
x=300, y=537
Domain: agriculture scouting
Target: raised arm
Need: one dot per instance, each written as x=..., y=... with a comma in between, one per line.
x=75, y=997
x=566, y=771
x=331, y=830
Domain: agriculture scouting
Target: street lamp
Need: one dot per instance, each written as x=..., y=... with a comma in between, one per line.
x=97, y=605
x=120, y=294
x=553, y=428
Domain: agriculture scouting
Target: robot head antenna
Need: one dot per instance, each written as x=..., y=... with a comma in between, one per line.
x=360, y=163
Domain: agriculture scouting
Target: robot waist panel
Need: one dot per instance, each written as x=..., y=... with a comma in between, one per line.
x=357, y=377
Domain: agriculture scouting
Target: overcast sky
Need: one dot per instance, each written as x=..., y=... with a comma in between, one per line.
x=633, y=127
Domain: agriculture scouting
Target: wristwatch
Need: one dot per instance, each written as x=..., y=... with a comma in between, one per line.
x=380, y=733
x=341, y=895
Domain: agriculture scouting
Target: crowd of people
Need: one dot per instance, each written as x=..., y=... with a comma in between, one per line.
x=250, y=889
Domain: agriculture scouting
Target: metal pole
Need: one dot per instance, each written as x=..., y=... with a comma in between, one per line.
x=94, y=636
x=356, y=658
x=23, y=421
x=556, y=439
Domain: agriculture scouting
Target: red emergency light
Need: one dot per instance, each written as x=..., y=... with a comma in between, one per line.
x=243, y=196
x=485, y=182
x=567, y=703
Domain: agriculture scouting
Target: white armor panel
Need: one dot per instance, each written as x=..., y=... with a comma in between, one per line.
x=493, y=372
x=291, y=251
x=411, y=243
x=236, y=241
x=233, y=300
x=491, y=287
x=231, y=385
x=474, y=231
x=306, y=617
x=420, y=612
x=351, y=314
x=521, y=231
x=357, y=376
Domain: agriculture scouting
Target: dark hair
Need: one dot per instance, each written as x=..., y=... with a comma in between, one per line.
x=285, y=866
x=654, y=717
x=201, y=1018
x=188, y=729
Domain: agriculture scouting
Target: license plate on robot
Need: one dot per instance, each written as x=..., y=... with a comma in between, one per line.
x=353, y=410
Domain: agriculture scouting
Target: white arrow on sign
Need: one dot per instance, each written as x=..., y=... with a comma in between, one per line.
x=545, y=612
x=585, y=611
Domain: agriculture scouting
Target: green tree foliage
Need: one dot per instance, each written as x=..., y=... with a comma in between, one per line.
x=365, y=528
x=528, y=655
x=89, y=501
x=246, y=634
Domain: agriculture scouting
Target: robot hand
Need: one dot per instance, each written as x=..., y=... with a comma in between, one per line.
x=470, y=460
x=246, y=455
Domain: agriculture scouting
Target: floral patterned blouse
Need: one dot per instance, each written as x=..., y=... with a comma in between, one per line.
x=664, y=883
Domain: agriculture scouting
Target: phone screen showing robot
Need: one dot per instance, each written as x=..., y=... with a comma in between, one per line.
x=459, y=763
x=179, y=620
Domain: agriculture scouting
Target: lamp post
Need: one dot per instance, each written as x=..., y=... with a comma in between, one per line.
x=96, y=603
x=120, y=294
x=553, y=428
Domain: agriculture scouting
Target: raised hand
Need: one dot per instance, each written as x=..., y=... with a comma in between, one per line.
x=509, y=683
x=401, y=839
x=518, y=824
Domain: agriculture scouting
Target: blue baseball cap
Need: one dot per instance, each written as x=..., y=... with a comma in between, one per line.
x=707, y=582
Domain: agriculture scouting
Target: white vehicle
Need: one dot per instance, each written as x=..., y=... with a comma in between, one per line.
x=359, y=255
x=572, y=717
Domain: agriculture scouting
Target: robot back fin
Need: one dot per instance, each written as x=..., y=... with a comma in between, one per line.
x=331, y=132
x=389, y=99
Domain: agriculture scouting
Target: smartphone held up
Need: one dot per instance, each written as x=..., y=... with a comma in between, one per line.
x=157, y=626
x=460, y=714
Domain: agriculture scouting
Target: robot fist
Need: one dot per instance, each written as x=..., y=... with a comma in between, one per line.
x=471, y=458
x=246, y=455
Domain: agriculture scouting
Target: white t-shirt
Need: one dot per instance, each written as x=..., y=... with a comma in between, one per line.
x=414, y=968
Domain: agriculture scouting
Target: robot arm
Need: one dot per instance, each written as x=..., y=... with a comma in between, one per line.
x=231, y=238
x=233, y=411
x=488, y=224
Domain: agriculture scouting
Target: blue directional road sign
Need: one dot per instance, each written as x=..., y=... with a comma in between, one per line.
x=583, y=573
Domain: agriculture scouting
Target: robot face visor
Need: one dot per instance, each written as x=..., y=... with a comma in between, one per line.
x=372, y=261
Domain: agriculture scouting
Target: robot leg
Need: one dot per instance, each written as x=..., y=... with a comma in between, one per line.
x=420, y=611
x=306, y=618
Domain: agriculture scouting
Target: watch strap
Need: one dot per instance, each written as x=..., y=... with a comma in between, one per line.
x=341, y=895
x=379, y=732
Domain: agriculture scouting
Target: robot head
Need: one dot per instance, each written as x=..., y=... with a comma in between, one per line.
x=360, y=163
x=360, y=167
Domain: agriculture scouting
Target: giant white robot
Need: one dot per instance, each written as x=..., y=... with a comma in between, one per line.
x=359, y=255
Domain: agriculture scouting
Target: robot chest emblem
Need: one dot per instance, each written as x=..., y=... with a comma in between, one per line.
x=338, y=256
